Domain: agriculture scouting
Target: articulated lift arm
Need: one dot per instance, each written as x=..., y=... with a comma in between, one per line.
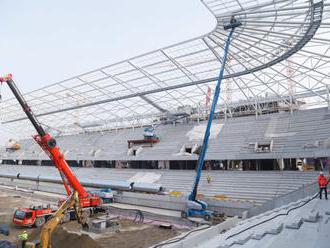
x=48, y=144
x=192, y=197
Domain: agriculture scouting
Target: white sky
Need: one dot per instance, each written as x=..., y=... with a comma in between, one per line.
x=43, y=42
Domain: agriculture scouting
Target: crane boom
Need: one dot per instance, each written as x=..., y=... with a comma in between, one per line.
x=48, y=144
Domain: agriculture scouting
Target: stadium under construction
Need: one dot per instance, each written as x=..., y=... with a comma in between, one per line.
x=217, y=141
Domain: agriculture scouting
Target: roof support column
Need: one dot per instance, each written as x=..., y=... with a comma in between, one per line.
x=198, y=112
x=256, y=108
x=291, y=103
x=225, y=113
x=328, y=95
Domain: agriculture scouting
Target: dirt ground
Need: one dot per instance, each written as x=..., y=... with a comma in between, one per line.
x=137, y=239
x=9, y=201
x=70, y=235
x=62, y=238
x=130, y=235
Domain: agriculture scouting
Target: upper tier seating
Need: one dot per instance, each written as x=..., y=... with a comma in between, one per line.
x=303, y=134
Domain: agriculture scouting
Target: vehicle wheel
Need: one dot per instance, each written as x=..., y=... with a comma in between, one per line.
x=184, y=214
x=40, y=221
x=207, y=217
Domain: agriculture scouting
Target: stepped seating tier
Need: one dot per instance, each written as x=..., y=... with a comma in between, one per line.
x=252, y=186
x=302, y=134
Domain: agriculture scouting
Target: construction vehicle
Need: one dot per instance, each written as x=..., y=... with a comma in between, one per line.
x=38, y=216
x=195, y=207
x=73, y=201
x=47, y=229
x=32, y=216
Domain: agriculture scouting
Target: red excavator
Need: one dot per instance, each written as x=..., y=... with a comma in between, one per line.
x=38, y=215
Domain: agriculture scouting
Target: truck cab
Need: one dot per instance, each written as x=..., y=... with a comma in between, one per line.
x=33, y=216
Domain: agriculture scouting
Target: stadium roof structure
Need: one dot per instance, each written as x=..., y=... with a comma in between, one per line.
x=281, y=51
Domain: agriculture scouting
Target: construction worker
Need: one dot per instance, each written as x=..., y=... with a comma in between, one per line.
x=208, y=168
x=323, y=182
x=209, y=179
x=23, y=237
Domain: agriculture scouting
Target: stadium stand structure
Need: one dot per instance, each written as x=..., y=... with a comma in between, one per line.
x=301, y=223
x=253, y=187
x=266, y=139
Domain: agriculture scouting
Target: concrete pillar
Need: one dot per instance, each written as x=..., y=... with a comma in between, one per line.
x=117, y=164
x=328, y=95
x=161, y=164
x=229, y=165
x=281, y=163
x=256, y=108
x=88, y=163
x=198, y=113
x=167, y=164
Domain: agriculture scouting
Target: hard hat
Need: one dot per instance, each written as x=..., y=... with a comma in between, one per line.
x=321, y=172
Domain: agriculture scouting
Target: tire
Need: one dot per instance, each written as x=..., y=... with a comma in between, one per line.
x=40, y=221
x=184, y=214
x=207, y=217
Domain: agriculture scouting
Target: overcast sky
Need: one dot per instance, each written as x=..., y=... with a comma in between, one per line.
x=43, y=42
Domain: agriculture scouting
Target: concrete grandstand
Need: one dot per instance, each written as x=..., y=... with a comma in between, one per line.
x=285, y=138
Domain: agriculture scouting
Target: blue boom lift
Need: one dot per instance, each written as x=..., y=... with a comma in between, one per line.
x=194, y=207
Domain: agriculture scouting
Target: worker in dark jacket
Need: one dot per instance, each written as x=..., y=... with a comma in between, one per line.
x=323, y=182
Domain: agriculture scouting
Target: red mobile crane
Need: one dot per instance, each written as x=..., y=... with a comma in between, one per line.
x=36, y=216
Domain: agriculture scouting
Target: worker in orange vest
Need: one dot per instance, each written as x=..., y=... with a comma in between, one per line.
x=323, y=182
